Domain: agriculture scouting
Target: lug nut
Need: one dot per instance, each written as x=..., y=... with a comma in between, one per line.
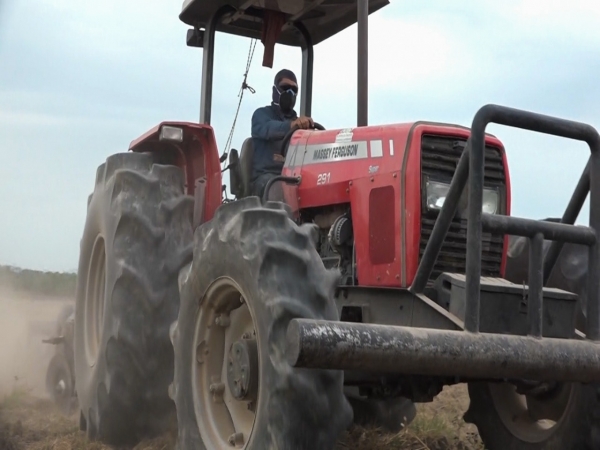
x=236, y=439
x=223, y=320
x=201, y=351
x=217, y=388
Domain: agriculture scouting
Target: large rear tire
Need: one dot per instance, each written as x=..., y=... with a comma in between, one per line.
x=137, y=236
x=253, y=271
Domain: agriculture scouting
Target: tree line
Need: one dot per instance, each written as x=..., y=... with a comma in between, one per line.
x=60, y=284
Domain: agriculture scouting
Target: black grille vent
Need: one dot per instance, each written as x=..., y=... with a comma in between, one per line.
x=439, y=159
x=440, y=155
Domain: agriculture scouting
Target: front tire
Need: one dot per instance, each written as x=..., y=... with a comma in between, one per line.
x=253, y=271
x=137, y=236
x=567, y=418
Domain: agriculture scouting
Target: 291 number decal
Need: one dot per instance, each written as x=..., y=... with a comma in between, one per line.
x=323, y=178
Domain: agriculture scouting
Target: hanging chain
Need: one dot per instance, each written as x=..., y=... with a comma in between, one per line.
x=241, y=96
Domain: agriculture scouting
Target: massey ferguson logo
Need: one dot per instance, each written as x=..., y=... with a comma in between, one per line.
x=339, y=152
x=330, y=153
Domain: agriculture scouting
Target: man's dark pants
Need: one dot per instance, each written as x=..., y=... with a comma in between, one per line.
x=260, y=183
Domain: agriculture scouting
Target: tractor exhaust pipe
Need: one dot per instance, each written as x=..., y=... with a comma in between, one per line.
x=419, y=351
x=362, y=108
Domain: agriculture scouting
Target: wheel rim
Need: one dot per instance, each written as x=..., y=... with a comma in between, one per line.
x=531, y=418
x=94, y=302
x=224, y=319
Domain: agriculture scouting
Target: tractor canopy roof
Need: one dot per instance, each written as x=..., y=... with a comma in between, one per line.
x=321, y=18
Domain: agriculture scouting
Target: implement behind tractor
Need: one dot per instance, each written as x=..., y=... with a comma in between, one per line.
x=386, y=274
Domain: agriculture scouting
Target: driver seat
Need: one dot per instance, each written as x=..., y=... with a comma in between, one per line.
x=245, y=164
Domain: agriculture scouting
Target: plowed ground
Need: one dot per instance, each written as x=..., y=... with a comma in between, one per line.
x=28, y=420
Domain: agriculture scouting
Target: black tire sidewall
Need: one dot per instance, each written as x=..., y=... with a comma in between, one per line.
x=577, y=430
x=87, y=378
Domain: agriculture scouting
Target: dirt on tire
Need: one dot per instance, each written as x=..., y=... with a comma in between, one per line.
x=274, y=270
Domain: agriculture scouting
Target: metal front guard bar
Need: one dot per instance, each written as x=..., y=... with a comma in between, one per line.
x=419, y=351
x=471, y=169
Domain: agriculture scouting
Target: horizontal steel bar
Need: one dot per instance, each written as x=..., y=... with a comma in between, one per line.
x=541, y=123
x=554, y=231
x=419, y=351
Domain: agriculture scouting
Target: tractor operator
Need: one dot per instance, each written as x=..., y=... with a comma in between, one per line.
x=270, y=124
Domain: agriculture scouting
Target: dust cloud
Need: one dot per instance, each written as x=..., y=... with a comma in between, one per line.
x=24, y=321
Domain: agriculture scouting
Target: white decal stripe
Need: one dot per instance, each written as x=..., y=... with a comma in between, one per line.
x=376, y=149
x=391, y=147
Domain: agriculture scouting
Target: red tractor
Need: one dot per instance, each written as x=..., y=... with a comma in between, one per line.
x=383, y=275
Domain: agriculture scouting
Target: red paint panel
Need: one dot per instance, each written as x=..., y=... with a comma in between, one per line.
x=337, y=174
x=391, y=149
x=378, y=267
x=197, y=156
x=508, y=210
x=411, y=208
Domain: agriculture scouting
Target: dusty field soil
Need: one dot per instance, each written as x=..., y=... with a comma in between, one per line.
x=28, y=420
x=24, y=321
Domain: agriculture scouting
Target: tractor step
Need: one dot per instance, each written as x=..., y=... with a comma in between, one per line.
x=420, y=351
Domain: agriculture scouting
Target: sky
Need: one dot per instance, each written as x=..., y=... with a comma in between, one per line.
x=80, y=80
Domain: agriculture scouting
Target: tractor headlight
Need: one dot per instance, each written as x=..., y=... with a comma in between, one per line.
x=168, y=133
x=491, y=201
x=437, y=192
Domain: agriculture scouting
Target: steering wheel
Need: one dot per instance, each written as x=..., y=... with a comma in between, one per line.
x=286, y=140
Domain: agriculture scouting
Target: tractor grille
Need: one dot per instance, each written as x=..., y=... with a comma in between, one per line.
x=439, y=159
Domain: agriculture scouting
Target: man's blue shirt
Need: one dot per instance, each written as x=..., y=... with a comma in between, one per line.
x=269, y=127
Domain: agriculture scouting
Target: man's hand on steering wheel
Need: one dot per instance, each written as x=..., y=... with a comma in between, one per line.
x=307, y=123
x=303, y=123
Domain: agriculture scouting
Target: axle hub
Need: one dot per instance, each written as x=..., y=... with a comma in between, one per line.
x=242, y=370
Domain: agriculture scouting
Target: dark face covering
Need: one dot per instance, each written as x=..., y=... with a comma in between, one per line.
x=285, y=99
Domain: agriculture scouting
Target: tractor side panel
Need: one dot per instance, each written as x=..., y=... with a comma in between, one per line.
x=330, y=161
x=411, y=207
x=363, y=168
x=377, y=171
x=375, y=203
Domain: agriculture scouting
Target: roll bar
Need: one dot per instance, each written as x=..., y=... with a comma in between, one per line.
x=208, y=44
